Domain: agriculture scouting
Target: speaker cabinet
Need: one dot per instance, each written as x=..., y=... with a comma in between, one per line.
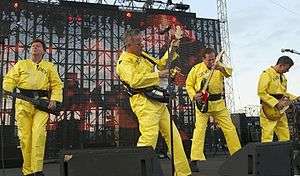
x=138, y=161
x=260, y=159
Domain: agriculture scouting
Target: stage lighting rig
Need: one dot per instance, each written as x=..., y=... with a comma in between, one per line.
x=182, y=7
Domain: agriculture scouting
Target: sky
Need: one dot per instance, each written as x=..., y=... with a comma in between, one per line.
x=259, y=29
x=258, y=32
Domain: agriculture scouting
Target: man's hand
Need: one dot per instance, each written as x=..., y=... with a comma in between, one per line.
x=219, y=67
x=6, y=94
x=164, y=73
x=282, y=103
x=198, y=96
x=52, y=104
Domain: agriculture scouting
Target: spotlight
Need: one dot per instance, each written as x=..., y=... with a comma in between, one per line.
x=70, y=19
x=182, y=7
x=16, y=5
x=79, y=19
x=128, y=15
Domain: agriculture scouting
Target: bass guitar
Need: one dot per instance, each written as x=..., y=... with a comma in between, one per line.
x=273, y=113
x=202, y=103
x=39, y=103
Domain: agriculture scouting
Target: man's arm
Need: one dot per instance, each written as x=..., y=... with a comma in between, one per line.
x=190, y=83
x=262, y=90
x=56, y=87
x=226, y=71
x=136, y=79
x=11, y=79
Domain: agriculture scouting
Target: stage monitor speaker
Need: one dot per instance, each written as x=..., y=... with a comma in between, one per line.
x=260, y=159
x=138, y=161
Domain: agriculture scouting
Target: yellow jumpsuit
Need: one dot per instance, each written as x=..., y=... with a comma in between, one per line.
x=152, y=115
x=32, y=122
x=216, y=109
x=271, y=83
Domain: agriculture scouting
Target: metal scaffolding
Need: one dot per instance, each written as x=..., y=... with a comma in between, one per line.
x=225, y=40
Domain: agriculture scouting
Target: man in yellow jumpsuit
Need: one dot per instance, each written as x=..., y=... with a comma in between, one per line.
x=153, y=116
x=33, y=76
x=272, y=86
x=216, y=105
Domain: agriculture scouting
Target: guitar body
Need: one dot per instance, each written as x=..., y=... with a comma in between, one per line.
x=275, y=114
x=42, y=104
x=157, y=93
x=202, y=104
x=272, y=113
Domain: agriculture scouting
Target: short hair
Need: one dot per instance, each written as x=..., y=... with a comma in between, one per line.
x=285, y=60
x=129, y=33
x=205, y=51
x=40, y=41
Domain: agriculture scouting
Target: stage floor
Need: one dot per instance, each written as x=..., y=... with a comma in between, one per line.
x=208, y=168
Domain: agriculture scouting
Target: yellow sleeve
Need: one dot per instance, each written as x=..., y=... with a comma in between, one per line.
x=161, y=64
x=136, y=79
x=56, y=85
x=190, y=83
x=262, y=90
x=228, y=70
x=11, y=79
x=291, y=96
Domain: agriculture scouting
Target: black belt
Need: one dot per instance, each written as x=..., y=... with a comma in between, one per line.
x=34, y=93
x=277, y=96
x=215, y=97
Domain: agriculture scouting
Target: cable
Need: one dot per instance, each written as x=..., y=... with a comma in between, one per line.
x=2, y=146
x=283, y=7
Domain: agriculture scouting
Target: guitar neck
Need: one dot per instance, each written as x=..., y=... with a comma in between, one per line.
x=171, y=51
x=295, y=100
x=208, y=80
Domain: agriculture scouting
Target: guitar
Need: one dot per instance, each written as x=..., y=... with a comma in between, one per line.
x=202, y=103
x=273, y=113
x=41, y=104
x=161, y=93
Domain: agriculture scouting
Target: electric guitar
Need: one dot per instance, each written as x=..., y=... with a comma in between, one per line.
x=273, y=113
x=161, y=93
x=202, y=103
x=41, y=104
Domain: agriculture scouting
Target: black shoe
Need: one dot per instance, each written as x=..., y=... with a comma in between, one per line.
x=38, y=174
x=28, y=175
x=194, y=166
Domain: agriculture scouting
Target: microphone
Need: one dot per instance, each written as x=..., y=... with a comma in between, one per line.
x=290, y=50
x=161, y=32
x=287, y=50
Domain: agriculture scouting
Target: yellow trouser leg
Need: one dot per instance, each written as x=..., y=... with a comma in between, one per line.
x=280, y=127
x=181, y=164
x=24, y=123
x=148, y=126
x=224, y=121
x=197, y=150
x=38, y=140
x=154, y=118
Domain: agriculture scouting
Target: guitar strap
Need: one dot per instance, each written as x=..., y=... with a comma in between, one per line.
x=148, y=59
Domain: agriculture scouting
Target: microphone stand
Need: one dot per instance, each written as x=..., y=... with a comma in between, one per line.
x=170, y=89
